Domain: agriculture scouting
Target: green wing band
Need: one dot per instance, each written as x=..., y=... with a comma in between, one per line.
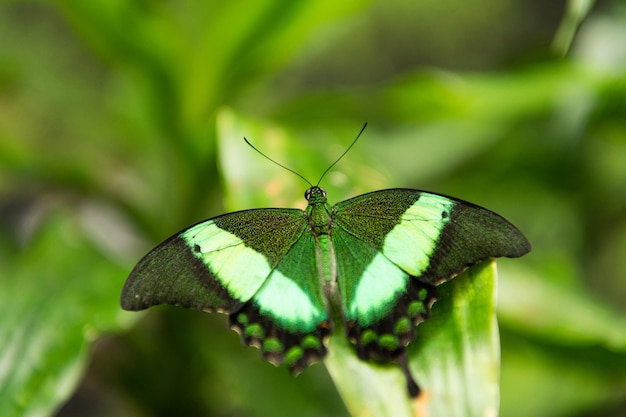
x=172, y=274
x=369, y=283
x=218, y=264
x=430, y=236
x=292, y=294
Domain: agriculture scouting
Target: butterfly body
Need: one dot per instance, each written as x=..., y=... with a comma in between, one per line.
x=286, y=276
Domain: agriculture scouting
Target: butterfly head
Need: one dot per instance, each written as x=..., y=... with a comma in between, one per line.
x=315, y=195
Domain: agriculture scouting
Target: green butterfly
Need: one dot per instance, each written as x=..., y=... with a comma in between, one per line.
x=286, y=276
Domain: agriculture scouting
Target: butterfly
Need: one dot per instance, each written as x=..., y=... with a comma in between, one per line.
x=286, y=276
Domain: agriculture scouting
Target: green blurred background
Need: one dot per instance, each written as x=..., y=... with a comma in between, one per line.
x=115, y=117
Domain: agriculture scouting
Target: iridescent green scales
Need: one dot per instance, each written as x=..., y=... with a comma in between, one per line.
x=277, y=344
x=285, y=276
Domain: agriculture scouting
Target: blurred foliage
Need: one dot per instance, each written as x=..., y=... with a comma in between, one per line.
x=109, y=143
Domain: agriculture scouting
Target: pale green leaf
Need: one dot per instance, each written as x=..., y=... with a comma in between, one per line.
x=456, y=356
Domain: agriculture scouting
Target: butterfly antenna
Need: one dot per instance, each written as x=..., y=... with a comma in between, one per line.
x=279, y=164
x=343, y=154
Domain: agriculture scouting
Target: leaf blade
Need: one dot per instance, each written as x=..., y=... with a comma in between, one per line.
x=463, y=381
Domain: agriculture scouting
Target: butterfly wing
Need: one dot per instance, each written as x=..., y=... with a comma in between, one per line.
x=430, y=236
x=394, y=246
x=259, y=266
x=288, y=318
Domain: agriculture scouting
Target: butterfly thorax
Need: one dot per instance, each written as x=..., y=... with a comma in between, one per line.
x=318, y=211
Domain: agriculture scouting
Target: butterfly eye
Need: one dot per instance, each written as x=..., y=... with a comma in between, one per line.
x=307, y=194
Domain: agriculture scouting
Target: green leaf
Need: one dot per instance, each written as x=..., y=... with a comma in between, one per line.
x=577, y=11
x=181, y=54
x=456, y=354
x=556, y=328
x=594, y=324
x=56, y=296
x=252, y=181
x=455, y=358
